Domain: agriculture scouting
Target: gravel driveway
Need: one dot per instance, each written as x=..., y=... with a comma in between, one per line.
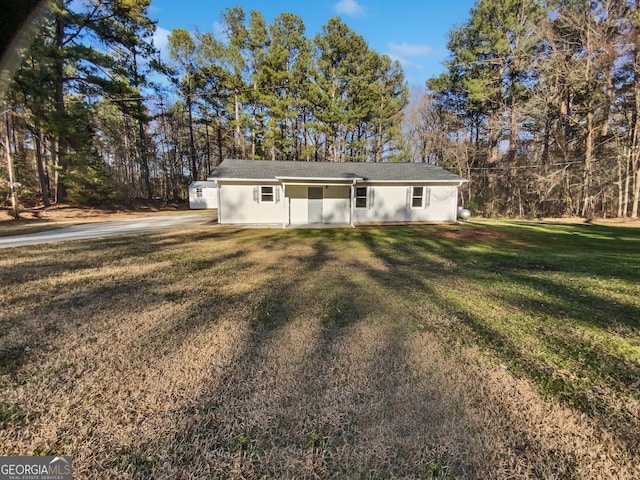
x=107, y=229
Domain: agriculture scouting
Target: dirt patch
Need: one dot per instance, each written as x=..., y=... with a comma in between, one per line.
x=618, y=222
x=473, y=234
x=532, y=267
x=76, y=212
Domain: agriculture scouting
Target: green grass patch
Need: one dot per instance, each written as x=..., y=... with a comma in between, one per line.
x=11, y=358
x=558, y=303
x=12, y=416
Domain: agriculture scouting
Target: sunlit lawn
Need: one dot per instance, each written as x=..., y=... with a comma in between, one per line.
x=484, y=350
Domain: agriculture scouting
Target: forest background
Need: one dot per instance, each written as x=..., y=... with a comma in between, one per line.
x=538, y=106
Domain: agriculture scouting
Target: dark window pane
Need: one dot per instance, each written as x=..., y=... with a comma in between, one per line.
x=266, y=194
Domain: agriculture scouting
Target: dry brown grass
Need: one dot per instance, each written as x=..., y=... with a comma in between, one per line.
x=226, y=353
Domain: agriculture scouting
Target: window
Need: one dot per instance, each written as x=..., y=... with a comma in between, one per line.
x=361, y=197
x=417, y=197
x=266, y=195
x=199, y=193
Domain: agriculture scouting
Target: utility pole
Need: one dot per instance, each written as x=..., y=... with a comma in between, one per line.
x=7, y=149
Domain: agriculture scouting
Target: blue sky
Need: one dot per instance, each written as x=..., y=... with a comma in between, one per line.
x=411, y=31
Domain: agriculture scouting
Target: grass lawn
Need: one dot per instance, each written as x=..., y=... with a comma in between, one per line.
x=485, y=350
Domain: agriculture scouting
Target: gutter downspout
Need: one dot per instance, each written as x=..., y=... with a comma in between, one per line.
x=455, y=208
x=351, y=204
x=218, y=193
x=284, y=206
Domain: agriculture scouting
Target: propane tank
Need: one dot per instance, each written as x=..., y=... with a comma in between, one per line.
x=463, y=213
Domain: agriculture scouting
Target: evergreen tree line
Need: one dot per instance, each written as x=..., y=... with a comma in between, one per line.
x=539, y=108
x=94, y=114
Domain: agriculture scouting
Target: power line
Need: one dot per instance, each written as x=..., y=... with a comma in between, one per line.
x=523, y=167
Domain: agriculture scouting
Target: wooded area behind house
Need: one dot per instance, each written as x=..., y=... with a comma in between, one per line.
x=538, y=106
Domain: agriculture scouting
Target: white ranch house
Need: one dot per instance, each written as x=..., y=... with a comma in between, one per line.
x=298, y=193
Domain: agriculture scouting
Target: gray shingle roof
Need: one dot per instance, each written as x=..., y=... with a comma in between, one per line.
x=266, y=169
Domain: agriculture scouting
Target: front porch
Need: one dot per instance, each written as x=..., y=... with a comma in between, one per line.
x=317, y=204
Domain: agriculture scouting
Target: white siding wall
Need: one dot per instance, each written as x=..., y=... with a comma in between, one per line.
x=336, y=204
x=391, y=203
x=387, y=203
x=209, y=197
x=297, y=197
x=238, y=205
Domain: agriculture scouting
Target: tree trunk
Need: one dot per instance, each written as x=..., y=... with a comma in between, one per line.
x=629, y=164
x=545, y=143
x=192, y=144
x=636, y=193
x=239, y=140
x=219, y=139
x=379, y=144
x=587, y=201
x=144, y=160
x=622, y=161
x=633, y=172
x=42, y=171
x=208, y=149
x=494, y=135
x=565, y=125
x=63, y=165
x=15, y=213
x=514, y=131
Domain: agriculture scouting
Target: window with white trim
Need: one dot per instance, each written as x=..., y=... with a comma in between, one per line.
x=199, y=193
x=417, y=197
x=267, y=194
x=362, y=199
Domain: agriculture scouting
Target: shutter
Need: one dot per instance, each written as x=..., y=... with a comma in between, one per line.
x=427, y=197
x=276, y=194
x=256, y=194
x=371, y=195
x=409, y=196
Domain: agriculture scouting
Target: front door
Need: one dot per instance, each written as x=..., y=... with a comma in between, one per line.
x=315, y=196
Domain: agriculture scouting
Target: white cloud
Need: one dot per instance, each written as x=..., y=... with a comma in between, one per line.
x=161, y=38
x=406, y=63
x=410, y=56
x=349, y=7
x=219, y=31
x=407, y=50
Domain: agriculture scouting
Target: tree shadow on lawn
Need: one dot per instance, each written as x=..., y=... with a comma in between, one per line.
x=606, y=251
x=264, y=353
x=68, y=298
x=512, y=290
x=123, y=334
x=318, y=388
x=322, y=386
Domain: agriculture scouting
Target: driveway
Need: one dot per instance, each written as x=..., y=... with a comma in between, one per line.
x=107, y=229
